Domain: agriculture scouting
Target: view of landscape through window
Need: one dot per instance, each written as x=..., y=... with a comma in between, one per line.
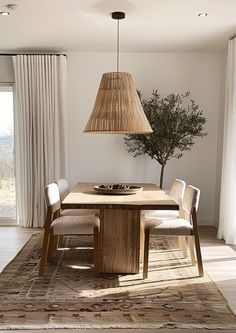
x=7, y=172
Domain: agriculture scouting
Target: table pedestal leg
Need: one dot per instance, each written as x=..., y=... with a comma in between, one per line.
x=119, y=240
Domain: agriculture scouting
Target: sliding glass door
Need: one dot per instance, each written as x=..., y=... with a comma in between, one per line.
x=7, y=161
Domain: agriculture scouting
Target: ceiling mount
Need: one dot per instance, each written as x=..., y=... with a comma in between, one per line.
x=118, y=15
x=11, y=6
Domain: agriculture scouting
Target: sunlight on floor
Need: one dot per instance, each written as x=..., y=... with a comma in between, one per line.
x=80, y=267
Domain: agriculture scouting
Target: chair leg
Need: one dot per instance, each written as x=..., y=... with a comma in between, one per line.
x=60, y=239
x=50, y=246
x=141, y=242
x=197, y=244
x=183, y=245
x=199, y=257
x=146, y=253
x=191, y=249
x=55, y=242
x=180, y=243
x=44, y=251
x=96, y=259
x=53, y=245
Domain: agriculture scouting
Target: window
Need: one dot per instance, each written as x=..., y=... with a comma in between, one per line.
x=7, y=161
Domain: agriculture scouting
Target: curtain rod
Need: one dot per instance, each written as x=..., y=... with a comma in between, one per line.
x=15, y=54
x=232, y=37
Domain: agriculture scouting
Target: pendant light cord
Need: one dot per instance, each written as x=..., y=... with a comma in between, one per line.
x=118, y=16
x=118, y=45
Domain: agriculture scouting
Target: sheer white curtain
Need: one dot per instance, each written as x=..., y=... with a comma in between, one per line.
x=39, y=131
x=227, y=222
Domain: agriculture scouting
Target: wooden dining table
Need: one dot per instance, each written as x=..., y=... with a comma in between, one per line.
x=121, y=231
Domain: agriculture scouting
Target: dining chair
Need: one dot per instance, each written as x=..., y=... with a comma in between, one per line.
x=177, y=194
x=185, y=225
x=64, y=191
x=56, y=225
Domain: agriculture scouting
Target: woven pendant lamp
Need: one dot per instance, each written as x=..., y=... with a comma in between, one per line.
x=117, y=108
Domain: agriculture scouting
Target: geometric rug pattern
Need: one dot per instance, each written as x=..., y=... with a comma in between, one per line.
x=69, y=296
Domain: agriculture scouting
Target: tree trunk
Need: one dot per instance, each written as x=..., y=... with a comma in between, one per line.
x=162, y=175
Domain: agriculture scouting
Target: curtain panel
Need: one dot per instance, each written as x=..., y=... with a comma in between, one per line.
x=40, y=106
x=227, y=220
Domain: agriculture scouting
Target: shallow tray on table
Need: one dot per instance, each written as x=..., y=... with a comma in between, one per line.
x=133, y=189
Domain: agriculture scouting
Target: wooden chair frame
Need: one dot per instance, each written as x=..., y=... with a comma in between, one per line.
x=193, y=239
x=50, y=240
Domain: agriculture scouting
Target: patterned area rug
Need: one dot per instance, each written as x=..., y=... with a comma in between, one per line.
x=69, y=296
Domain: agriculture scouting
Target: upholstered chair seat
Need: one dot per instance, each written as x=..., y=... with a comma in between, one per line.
x=178, y=227
x=169, y=214
x=79, y=212
x=75, y=225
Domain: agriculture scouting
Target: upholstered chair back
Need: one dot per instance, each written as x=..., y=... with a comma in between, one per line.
x=63, y=188
x=190, y=200
x=177, y=190
x=52, y=197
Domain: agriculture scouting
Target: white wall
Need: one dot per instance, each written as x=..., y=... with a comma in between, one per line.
x=6, y=69
x=105, y=158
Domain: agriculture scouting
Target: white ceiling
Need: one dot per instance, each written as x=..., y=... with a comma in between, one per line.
x=85, y=25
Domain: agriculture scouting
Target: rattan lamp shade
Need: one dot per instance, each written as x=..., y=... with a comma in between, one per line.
x=117, y=108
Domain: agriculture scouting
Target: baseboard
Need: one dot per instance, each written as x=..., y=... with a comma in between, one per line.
x=210, y=226
x=8, y=224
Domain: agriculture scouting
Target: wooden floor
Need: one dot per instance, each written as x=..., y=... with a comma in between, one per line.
x=219, y=261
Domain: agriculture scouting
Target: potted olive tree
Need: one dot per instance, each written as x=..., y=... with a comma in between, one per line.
x=176, y=121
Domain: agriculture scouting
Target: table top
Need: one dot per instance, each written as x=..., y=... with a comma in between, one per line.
x=84, y=196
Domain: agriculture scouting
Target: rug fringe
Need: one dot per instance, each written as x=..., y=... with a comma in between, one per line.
x=118, y=326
